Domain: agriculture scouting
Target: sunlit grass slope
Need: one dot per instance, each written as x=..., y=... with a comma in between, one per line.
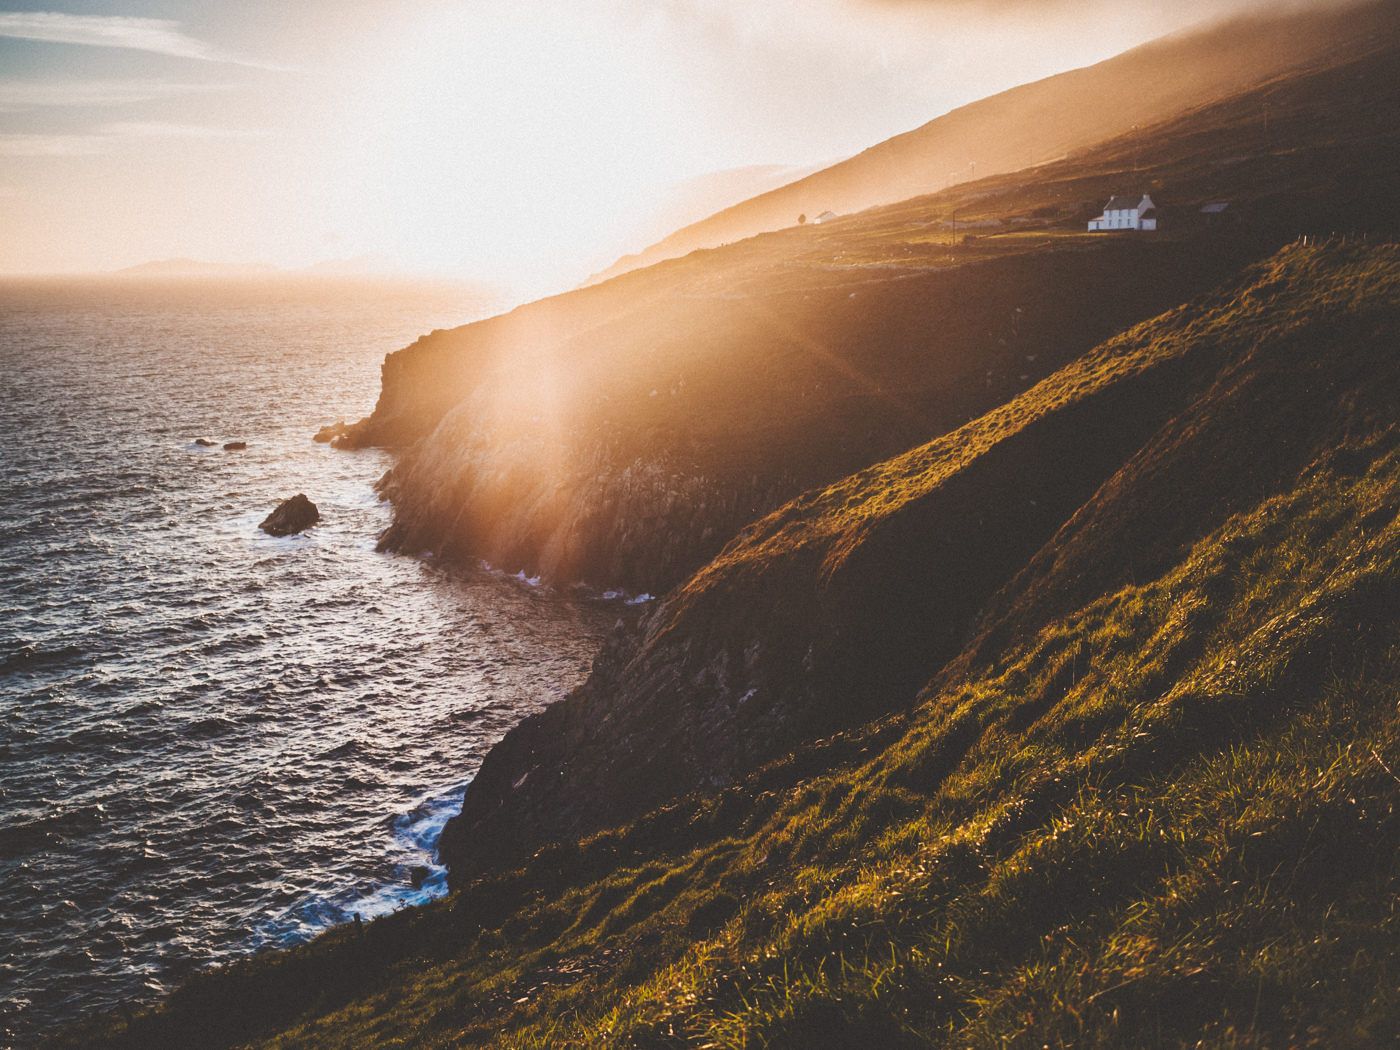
x=1153, y=803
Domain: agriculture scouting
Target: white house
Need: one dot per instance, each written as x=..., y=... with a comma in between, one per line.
x=825, y=216
x=1126, y=213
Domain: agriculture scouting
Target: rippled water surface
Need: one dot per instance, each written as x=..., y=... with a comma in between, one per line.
x=212, y=740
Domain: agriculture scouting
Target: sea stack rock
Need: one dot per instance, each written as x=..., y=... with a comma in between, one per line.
x=291, y=516
x=235, y=446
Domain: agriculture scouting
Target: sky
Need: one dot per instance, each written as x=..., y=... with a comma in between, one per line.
x=523, y=142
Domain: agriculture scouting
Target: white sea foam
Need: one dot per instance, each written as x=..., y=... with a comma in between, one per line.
x=413, y=838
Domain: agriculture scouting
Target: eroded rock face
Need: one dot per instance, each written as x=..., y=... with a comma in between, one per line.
x=291, y=516
x=641, y=526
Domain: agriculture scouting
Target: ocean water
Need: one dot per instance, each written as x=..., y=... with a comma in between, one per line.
x=213, y=741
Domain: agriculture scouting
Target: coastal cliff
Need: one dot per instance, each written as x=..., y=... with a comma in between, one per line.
x=620, y=435
x=843, y=605
x=627, y=454
x=1069, y=721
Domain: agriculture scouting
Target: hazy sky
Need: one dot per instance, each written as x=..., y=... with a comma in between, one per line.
x=522, y=140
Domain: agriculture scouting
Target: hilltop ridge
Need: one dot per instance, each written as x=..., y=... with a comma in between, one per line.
x=1048, y=120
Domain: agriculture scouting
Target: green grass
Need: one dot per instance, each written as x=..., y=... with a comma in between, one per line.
x=1164, y=817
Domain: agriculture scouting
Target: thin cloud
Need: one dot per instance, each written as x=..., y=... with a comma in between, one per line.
x=157, y=129
x=109, y=136
x=19, y=95
x=160, y=36
x=22, y=145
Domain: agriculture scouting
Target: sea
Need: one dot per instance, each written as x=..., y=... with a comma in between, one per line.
x=213, y=741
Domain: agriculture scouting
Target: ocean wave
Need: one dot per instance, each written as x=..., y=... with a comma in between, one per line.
x=201, y=726
x=31, y=656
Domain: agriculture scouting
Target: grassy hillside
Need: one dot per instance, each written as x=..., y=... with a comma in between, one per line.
x=622, y=434
x=1050, y=119
x=1150, y=799
x=840, y=605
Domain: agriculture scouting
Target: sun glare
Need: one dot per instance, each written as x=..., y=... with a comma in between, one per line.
x=503, y=134
x=527, y=145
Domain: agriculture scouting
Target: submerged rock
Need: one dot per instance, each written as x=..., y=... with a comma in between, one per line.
x=235, y=446
x=291, y=516
x=204, y=442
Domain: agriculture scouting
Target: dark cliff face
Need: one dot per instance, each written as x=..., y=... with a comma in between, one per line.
x=847, y=602
x=629, y=454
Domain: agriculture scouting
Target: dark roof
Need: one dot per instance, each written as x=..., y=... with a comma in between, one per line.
x=1122, y=203
x=1215, y=208
x=1150, y=213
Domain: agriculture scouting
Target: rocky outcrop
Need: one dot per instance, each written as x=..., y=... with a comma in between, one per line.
x=844, y=605
x=235, y=446
x=331, y=432
x=291, y=516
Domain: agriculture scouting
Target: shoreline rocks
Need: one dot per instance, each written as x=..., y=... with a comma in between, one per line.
x=235, y=446
x=332, y=432
x=291, y=516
